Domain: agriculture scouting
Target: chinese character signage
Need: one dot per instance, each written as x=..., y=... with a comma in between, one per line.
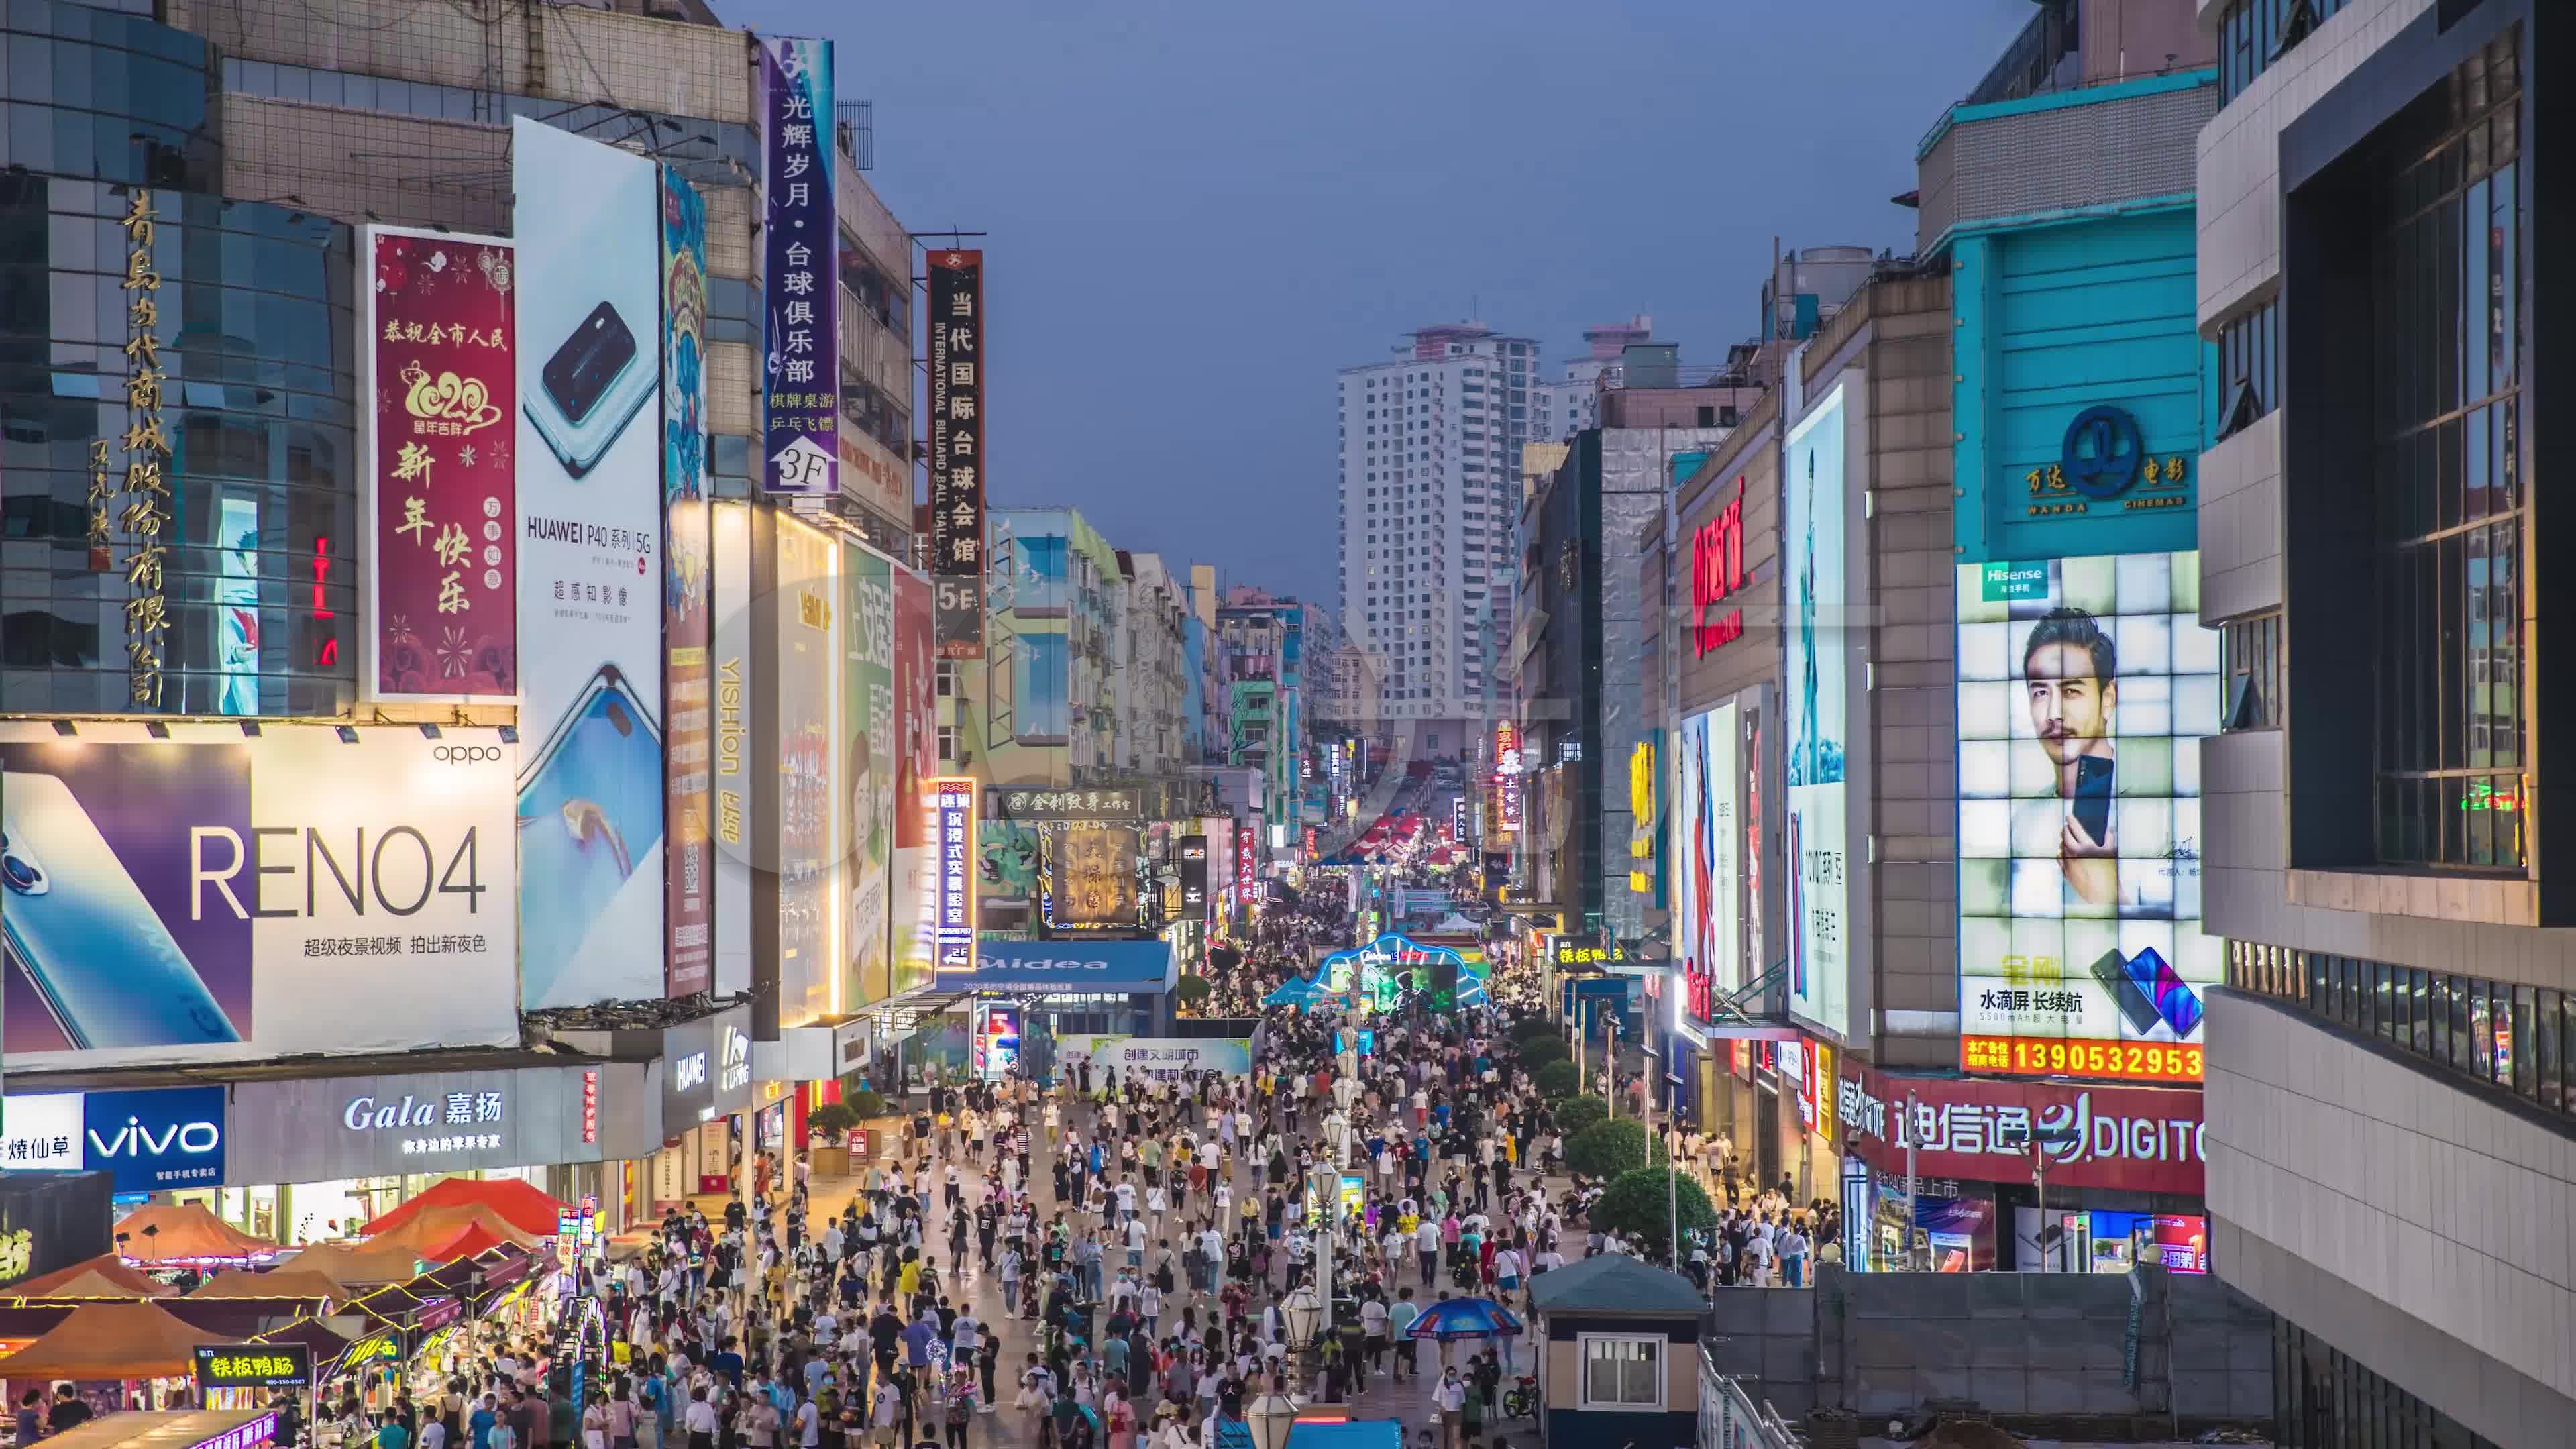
x=801, y=241
x=2103, y=464
x=2085, y=687
x=1243, y=867
x=957, y=534
x=146, y=515
x=1194, y=877
x=438, y=376
x=1584, y=953
x=1717, y=572
x=1507, y=774
x=2131, y=1139
x=953, y=814
x=254, y=1365
x=589, y=455
x=689, y=955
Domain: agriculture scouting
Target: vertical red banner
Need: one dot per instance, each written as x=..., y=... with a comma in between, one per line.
x=440, y=395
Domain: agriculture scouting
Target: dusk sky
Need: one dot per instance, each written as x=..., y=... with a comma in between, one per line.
x=1199, y=211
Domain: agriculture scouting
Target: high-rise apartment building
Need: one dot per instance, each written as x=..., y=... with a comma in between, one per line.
x=1430, y=450
x=1568, y=403
x=2392, y=1114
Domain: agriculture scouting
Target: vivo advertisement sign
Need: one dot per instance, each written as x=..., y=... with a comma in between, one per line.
x=149, y=1141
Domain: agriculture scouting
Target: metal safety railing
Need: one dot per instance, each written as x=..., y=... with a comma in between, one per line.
x=1730, y=1417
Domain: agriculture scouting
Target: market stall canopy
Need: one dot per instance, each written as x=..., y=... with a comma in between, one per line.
x=444, y=1234
x=295, y=1280
x=1112, y=966
x=355, y=1264
x=177, y=1429
x=109, y=1341
x=523, y=1205
x=184, y=1233
x=105, y=1276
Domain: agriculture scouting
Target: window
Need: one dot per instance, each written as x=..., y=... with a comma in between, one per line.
x=1619, y=1372
x=2254, y=33
x=2445, y=238
x=2249, y=367
x=948, y=744
x=2252, y=651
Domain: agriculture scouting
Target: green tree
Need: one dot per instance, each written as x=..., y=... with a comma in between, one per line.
x=833, y=1120
x=1537, y=1054
x=1555, y=1080
x=1576, y=1113
x=865, y=1105
x=1193, y=990
x=1609, y=1148
x=1635, y=1204
x=1532, y=1029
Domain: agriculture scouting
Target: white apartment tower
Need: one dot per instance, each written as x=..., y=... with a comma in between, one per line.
x=1566, y=405
x=1430, y=450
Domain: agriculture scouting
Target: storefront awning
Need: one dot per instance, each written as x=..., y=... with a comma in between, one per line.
x=1130, y=966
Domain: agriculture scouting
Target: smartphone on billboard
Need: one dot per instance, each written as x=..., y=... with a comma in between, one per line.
x=589, y=810
x=107, y=969
x=2111, y=969
x=2177, y=1005
x=590, y=389
x=2092, y=796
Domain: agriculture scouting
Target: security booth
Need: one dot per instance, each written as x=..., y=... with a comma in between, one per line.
x=1616, y=1357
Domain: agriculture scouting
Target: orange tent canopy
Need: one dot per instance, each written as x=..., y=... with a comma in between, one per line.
x=105, y=1276
x=523, y=1206
x=359, y=1265
x=294, y=1280
x=428, y=1234
x=109, y=1341
x=181, y=1233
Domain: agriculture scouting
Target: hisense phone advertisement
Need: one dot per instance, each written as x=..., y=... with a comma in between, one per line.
x=208, y=897
x=590, y=496
x=2085, y=688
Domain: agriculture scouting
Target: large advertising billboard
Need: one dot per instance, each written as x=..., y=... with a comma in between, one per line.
x=589, y=460
x=737, y=723
x=1813, y=536
x=868, y=726
x=2084, y=687
x=439, y=389
x=918, y=843
x=801, y=249
x=957, y=535
x=213, y=898
x=811, y=803
x=1088, y=875
x=686, y=628
x=1707, y=883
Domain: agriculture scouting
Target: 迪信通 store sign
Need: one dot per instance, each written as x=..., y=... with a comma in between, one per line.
x=2137, y=1139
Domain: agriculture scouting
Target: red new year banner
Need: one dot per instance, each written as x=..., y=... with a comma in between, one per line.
x=439, y=380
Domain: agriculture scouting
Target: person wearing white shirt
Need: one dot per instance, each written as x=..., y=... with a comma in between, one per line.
x=1426, y=1240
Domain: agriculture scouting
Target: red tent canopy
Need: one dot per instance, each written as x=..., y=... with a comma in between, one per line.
x=529, y=1209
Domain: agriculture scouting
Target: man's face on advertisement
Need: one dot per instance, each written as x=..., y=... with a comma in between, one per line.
x=2069, y=708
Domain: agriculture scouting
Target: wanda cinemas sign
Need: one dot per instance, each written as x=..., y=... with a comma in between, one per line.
x=1717, y=572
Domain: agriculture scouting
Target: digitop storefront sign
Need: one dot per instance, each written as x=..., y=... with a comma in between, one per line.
x=2134, y=1139
x=957, y=533
x=1717, y=575
x=1707, y=886
x=687, y=557
x=438, y=389
x=2085, y=686
x=150, y=1141
x=953, y=815
x=214, y=898
x=1814, y=536
x=801, y=251
x=589, y=461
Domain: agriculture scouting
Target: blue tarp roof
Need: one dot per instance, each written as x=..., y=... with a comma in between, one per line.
x=1074, y=966
x=1354, y=1434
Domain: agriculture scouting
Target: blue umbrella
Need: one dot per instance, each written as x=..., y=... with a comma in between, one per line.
x=1464, y=1318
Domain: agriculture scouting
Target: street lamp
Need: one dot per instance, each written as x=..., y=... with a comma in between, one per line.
x=1271, y=1417
x=1301, y=1313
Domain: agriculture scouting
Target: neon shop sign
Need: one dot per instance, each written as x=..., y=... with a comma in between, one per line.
x=1717, y=572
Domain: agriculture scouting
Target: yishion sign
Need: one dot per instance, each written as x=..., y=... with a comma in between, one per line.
x=1717, y=572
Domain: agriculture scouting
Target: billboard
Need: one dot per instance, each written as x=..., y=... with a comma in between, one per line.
x=957, y=535
x=688, y=960
x=810, y=799
x=149, y=1140
x=439, y=389
x=800, y=272
x=1708, y=886
x=1087, y=876
x=918, y=841
x=2085, y=685
x=736, y=725
x=589, y=461
x=869, y=725
x=2126, y=1139
x=213, y=898
x=953, y=836
x=1819, y=727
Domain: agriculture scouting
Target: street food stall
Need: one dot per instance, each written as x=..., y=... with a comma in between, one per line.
x=185, y=1235
x=105, y=1276
x=116, y=1356
x=179, y=1429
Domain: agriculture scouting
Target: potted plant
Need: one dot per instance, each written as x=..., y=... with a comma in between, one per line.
x=832, y=1122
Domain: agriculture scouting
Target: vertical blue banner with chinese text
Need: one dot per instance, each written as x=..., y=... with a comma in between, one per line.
x=800, y=235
